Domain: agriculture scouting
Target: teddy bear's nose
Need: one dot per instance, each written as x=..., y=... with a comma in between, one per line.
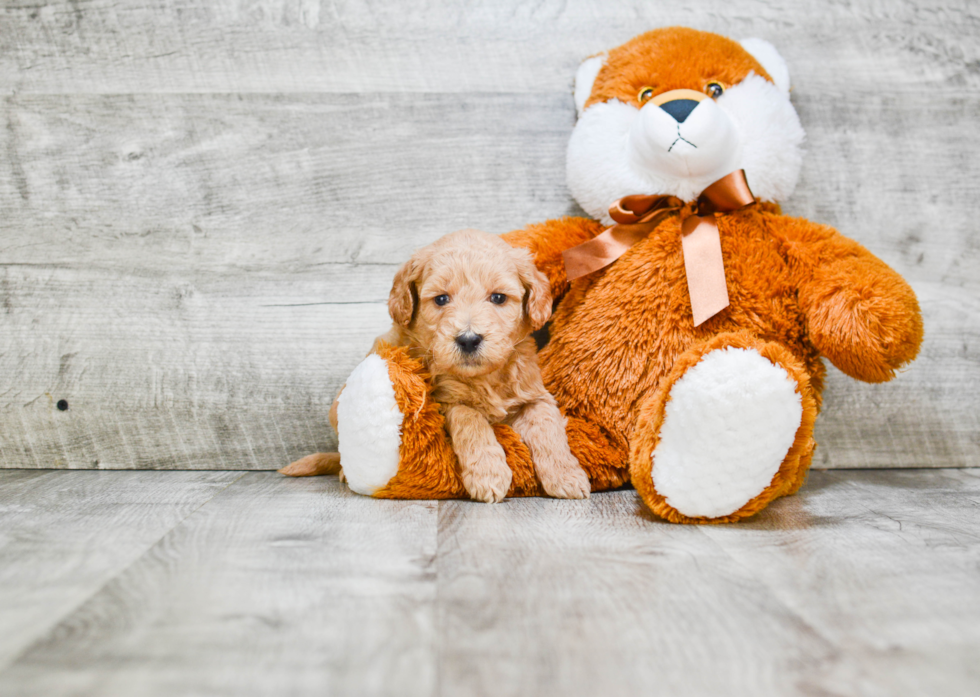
x=680, y=109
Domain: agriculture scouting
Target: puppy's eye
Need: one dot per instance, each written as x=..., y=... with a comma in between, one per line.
x=498, y=298
x=441, y=300
x=714, y=89
x=645, y=94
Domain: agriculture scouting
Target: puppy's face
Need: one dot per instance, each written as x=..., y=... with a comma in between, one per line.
x=469, y=299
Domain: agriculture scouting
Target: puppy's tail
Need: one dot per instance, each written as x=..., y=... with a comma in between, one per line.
x=317, y=463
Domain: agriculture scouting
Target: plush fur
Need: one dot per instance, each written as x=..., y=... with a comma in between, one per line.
x=629, y=370
x=790, y=468
x=369, y=424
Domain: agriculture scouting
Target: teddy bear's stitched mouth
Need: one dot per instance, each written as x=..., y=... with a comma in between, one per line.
x=679, y=139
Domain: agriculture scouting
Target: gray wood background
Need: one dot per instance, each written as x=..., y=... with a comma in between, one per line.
x=202, y=203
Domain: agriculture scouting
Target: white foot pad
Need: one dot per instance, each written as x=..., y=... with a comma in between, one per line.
x=728, y=425
x=369, y=427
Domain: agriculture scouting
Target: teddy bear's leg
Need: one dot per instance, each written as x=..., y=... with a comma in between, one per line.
x=392, y=435
x=604, y=458
x=729, y=430
x=369, y=427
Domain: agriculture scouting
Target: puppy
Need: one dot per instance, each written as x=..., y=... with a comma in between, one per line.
x=466, y=306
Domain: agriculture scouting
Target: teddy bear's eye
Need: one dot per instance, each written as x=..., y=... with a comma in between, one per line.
x=441, y=300
x=714, y=89
x=645, y=94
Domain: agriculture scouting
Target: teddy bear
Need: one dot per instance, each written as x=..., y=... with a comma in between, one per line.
x=690, y=314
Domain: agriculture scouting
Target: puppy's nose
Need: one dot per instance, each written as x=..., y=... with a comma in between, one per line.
x=680, y=109
x=469, y=342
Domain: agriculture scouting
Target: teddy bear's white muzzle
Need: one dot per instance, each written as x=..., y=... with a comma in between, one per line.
x=703, y=144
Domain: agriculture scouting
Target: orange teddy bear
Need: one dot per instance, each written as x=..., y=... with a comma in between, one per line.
x=685, y=350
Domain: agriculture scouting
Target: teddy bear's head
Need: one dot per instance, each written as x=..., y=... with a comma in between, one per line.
x=674, y=110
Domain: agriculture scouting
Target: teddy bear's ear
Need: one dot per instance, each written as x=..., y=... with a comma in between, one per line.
x=769, y=57
x=584, y=78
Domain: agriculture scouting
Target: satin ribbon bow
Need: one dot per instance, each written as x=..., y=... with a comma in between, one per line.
x=637, y=216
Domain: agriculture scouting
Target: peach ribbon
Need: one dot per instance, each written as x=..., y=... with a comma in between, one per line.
x=637, y=216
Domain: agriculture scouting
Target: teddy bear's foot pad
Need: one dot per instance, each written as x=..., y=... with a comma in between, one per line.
x=728, y=425
x=369, y=427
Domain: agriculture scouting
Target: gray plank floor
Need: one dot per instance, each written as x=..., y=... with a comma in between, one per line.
x=232, y=583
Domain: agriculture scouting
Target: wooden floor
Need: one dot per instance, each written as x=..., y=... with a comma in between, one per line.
x=232, y=583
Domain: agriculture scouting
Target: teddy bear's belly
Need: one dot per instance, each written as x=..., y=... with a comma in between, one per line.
x=617, y=333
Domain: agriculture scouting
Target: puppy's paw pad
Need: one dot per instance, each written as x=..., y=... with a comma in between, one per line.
x=488, y=485
x=566, y=483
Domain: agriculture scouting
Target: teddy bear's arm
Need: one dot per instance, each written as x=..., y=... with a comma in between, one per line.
x=546, y=241
x=860, y=313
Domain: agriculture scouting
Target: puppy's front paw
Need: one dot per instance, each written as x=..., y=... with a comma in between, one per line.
x=488, y=478
x=564, y=479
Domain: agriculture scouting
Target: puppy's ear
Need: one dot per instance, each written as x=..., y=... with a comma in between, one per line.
x=404, y=297
x=537, y=290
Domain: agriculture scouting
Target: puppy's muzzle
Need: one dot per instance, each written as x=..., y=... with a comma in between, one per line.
x=469, y=342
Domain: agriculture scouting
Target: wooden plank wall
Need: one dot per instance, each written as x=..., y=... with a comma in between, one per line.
x=202, y=203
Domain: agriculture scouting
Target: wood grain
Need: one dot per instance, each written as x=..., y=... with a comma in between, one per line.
x=547, y=599
x=240, y=376
x=203, y=203
x=272, y=182
x=913, y=631
x=865, y=583
x=226, y=46
x=278, y=587
x=64, y=535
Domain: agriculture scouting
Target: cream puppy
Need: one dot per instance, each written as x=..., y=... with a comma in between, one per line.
x=466, y=306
